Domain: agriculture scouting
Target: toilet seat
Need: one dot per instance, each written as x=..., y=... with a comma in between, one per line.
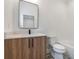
x=58, y=48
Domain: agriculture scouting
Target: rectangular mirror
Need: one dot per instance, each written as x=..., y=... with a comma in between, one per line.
x=28, y=15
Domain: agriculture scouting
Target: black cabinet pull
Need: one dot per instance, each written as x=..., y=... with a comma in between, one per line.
x=32, y=42
x=29, y=43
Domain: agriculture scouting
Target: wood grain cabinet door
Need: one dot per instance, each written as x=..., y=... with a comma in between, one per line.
x=39, y=48
x=16, y=49
x=22, y=48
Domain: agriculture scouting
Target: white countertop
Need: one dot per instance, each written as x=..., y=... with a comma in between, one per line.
x=13, y=35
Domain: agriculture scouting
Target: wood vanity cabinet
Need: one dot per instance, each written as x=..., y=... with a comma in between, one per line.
x=25, y=48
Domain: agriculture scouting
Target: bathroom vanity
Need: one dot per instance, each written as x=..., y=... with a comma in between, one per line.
x=18, y=46
x=24, y=46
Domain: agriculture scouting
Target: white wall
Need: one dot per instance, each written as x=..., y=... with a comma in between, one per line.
x=55, y=18
x=65, y=24
x=11, y=17
x=8, y=15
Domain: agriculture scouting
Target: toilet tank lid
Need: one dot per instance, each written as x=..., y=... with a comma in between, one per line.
x=58, y=46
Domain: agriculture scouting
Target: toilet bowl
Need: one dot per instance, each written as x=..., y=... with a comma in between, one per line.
x=58, y=50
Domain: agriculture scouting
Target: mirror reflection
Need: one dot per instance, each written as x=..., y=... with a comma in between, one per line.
x=28, y=15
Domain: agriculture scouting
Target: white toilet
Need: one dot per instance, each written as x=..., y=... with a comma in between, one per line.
x=58, y=50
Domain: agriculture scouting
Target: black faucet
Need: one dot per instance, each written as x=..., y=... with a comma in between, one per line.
x=29, y=31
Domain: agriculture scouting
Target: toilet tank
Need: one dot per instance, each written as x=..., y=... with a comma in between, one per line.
x=52, y=39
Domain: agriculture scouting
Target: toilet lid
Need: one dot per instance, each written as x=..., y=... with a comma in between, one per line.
x=58, y=46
